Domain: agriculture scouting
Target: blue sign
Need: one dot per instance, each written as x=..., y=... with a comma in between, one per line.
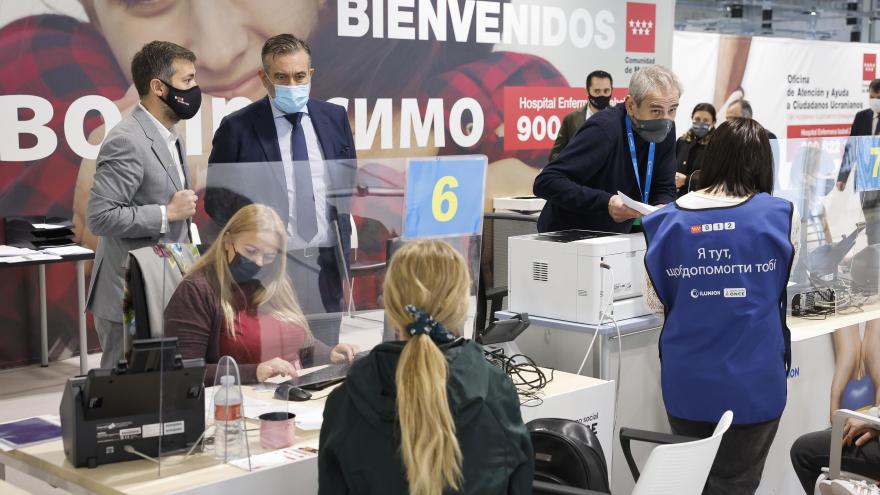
x=864, y=155
x=444, y=196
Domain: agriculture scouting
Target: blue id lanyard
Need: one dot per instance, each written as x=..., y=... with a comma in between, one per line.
x=632, y=151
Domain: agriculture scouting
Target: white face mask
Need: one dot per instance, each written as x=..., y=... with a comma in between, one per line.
x=874, y=103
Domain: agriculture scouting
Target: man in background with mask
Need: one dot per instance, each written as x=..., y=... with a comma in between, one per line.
x=141, y=195
x=629, y=148
x=865, y=123
x=599, y=86
x=297, y=155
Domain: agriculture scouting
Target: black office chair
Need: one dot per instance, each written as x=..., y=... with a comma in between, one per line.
x=492, y=285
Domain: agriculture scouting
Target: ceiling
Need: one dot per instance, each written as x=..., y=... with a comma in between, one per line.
x=840, y=20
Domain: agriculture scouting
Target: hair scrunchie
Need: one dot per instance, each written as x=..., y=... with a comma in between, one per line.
x=426, y=325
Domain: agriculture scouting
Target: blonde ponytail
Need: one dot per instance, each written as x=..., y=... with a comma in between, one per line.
x=433, y=277
x=428, y=444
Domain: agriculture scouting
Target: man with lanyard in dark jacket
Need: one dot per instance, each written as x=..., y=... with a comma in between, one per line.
x=629, y=148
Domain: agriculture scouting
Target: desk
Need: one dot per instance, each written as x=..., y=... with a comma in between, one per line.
x=202, y=474
x=7, y=489
x=562, y=344
x=607, y=334
x=80, y=260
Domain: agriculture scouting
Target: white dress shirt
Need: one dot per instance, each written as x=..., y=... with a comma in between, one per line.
x=874, y=117
x=284, y=129
x=588, y=113
x=170, y=137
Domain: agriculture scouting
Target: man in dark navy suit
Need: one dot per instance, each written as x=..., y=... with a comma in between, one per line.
x=866, y=123
x=581, y=184
x=295, y=154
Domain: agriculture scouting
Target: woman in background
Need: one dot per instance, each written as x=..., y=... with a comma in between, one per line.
x=237, y=301
x=690, y=147
x=435, y=416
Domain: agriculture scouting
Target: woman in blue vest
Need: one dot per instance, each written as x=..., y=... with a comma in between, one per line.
x=719, y=261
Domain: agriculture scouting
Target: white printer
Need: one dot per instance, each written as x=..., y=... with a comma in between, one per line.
x=560, y=275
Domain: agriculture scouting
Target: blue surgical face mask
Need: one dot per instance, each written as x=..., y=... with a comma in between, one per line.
x=291, y=99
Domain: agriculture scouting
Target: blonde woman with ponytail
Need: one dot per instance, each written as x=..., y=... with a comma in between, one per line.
x=426, y=415
x=237, y=301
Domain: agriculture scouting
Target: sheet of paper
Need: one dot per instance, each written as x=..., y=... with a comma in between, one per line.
x=274, y=458
x=308, y=417
x=67, y=250
x=635, y=205
x=15, y=251
x=49, y=226
x=28, y=257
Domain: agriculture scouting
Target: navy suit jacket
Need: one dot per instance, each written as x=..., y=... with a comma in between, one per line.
x=248, y=139
x=596, y=164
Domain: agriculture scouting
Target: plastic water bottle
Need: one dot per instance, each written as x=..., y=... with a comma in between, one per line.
x=228, y=436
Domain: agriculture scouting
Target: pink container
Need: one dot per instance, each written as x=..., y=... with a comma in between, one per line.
x=277, y=430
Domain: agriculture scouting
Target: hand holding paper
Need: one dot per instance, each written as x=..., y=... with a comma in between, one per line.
x=636, y=205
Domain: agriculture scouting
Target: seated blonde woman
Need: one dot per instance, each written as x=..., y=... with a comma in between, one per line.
x=436, y=417
x=237, y=301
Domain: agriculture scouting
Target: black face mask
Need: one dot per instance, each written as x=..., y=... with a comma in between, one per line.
x=600, y=102
x=653, y=131
x=244, y=270
x=184, y=103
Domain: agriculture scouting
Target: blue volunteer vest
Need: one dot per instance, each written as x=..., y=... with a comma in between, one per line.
x=721, y=274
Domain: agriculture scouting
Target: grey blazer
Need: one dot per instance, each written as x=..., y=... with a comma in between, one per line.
x=134, y=175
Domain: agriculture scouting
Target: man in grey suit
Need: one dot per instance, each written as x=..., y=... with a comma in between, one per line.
x=141, y=195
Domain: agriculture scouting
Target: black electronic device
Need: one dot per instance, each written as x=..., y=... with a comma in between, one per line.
x=502, y=331
x=813, y=302
x=289, y=391
x=109, y=412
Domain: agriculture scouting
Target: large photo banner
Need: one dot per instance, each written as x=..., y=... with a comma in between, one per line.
x=417, y=77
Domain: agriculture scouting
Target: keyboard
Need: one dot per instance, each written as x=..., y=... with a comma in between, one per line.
x=326, y=376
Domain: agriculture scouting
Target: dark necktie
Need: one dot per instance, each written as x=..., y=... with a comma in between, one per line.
x=182, y=170
x=304, y=200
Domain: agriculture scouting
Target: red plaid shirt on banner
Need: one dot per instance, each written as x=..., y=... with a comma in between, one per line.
x=60, y=59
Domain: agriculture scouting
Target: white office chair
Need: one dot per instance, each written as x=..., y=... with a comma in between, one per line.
x=677, y=467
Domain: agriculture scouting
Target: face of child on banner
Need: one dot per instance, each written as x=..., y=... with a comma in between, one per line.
x=226, y=35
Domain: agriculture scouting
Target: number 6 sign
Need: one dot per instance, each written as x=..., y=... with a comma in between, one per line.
x=444, y=196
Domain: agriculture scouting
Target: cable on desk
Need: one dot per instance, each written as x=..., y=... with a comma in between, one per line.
x=526, y=376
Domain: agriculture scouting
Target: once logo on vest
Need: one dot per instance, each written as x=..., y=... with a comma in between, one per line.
x=738, y=292
x=713, y=227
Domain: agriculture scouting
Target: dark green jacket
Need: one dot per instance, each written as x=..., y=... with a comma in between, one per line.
x=360, y=437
